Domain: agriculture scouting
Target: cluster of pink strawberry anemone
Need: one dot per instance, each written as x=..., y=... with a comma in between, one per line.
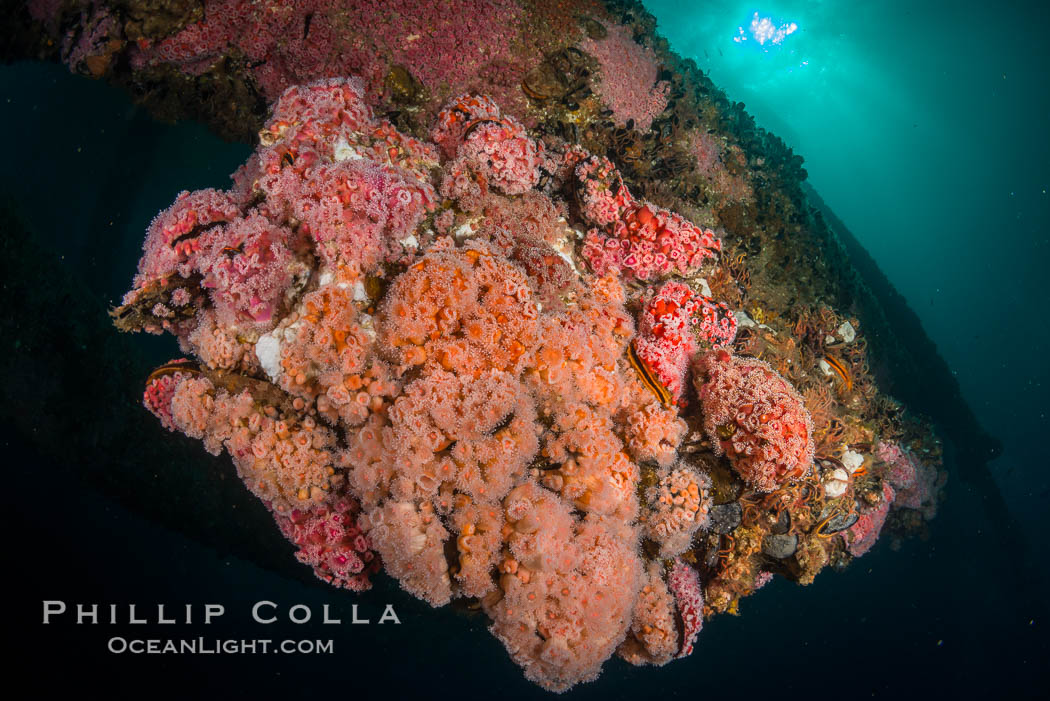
x=756, y=418
x=863, y=534
x=673, y=325
x=397, y=345
x=629, y=73
x=635, y=237
x=489, y=149
x=284, y=43
x=916, y=484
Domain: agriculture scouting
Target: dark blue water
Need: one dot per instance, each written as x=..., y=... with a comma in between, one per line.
x=86, y=172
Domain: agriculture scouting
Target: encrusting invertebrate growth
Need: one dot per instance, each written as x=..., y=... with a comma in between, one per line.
x=469, y=341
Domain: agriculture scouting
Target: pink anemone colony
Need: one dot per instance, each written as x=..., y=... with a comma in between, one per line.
x=420, y=359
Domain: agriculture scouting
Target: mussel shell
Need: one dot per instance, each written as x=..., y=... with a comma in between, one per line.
x=841, y=522
x=780, y=546
x=725, y=517
x=594, y=29
x=783, y=524
x=543, y=82
x=401, y=83
x=574, y=55
x=580, y=92
x=725, y=487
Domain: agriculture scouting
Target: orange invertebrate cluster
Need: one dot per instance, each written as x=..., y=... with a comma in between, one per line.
x=678, y=506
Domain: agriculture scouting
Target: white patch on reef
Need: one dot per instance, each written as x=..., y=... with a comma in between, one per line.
x=359, y=292
x=343, y=151
x=367, y=326
x=846, y=332
x=743, y=320
x=746, y=322
x=836, y=484
x=852, y=461
x=824, y=367
x=705, y=289
x=268, y=351
x=328, y=277
x=566, y=244
x=289, y=331
x=834, y=489
x=409, y=241
x=464, y=230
